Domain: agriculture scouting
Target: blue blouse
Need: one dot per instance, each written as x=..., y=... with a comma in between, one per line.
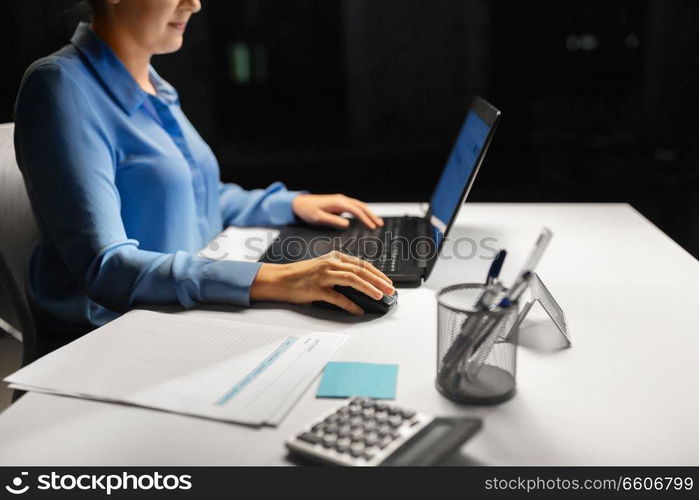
x=125, y=192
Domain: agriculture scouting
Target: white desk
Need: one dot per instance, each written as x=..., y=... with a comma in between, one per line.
x=625, y=393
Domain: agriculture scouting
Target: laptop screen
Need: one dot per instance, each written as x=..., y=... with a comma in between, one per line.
x=461, y=168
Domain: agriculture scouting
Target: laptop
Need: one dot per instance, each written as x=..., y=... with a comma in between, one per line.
x=406, y=247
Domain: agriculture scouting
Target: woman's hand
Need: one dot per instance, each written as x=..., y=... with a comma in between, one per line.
x=325, y=210
x=311, y=280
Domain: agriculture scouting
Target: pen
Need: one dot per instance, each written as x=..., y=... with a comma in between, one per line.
x=540, y=246
x=516, y=291
x=484, y=342
x=542, y=242
x=492, y=287
x=486, y=300
x=495, y=268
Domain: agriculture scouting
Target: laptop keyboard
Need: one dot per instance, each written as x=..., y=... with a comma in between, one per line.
x=373, y=245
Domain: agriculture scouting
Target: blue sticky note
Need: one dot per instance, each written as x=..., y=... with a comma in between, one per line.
x=345, y=379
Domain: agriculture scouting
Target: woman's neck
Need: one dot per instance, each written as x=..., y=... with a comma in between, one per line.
x=135, y=60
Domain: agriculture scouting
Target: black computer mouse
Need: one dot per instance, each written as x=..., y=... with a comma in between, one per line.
x=370, y=305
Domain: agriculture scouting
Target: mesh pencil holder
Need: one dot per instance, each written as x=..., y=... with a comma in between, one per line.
x=476, y=349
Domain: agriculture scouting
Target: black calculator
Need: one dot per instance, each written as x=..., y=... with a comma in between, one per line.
x=366, y=432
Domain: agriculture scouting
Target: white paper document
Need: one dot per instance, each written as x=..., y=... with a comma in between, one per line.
x=239, y=243
x=226, y=370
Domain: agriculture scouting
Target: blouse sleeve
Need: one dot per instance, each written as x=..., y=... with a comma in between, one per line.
x=68, y=163
x=259, y=207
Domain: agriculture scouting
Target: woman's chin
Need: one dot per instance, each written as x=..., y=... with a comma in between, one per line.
x=172, y=45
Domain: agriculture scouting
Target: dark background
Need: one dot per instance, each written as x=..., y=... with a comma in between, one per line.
x=599, y=97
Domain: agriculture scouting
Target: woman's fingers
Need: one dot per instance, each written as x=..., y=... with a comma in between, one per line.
x=328, y=219
x=347, y=278
x=348, y=205
x=363, y=273
x=350, y=259
x=378, y=221
x=361, y=211
x=325, y=209
x=342, y=302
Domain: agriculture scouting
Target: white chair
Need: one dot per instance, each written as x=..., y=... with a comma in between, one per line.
x=18, y=234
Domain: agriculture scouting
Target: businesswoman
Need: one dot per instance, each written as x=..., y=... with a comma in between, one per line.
x=125, y=191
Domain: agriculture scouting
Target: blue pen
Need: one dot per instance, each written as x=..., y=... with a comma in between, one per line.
x=495, y=267
x=492, y=289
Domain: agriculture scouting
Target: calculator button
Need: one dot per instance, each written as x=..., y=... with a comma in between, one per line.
x=332, y=428
x=382, y=417
x=369, y=454
x=343, y=420
x=342, y=445
x=368, y=412
x=371, y=439
x=383, y=430
x=356, y=421
x=329, y=440
x=308, y=438
x=344, y=431
x=357, y=434
x=408, y=414
x=355, y=411
x=368, y=403
x=395, y=421
x=371, y=425
x=357, y=449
